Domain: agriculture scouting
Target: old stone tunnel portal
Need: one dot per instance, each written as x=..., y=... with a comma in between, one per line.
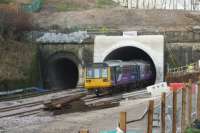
x=62, y=71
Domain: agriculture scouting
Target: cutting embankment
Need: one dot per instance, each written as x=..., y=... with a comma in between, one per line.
x=18, y=67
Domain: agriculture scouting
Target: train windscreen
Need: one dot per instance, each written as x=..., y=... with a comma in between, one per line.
x=97, y=72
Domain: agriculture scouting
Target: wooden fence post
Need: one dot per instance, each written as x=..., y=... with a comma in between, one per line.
x=174, y=111
x=163, y=102
x=198, y=100
x=122, y=121
x=183, y=110
x=84, y=131
x=189, y=90
x=150, y=116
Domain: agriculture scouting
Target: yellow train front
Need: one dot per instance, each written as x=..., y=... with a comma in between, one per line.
x=97, y=76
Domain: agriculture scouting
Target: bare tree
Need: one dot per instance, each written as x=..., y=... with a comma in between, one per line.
x=13, y=21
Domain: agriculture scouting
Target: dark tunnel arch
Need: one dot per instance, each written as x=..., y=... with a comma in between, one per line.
x=62, y=71
x=128, y=53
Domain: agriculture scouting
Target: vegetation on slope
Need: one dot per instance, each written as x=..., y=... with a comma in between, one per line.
x=18, y=67
x=13, y=22
x=67, y=5
x=71, y=5
x=5, y=1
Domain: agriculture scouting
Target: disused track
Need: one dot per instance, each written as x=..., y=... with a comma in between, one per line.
x=20, y=112
x=29, y=108
x=91, y=101
x=29, y=94
x=10, y=108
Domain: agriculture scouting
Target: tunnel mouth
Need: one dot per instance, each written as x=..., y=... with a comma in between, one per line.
x=62, y=74
x=129, y=53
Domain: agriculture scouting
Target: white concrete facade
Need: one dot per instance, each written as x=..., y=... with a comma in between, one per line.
x=153, y=45
x=161, y=4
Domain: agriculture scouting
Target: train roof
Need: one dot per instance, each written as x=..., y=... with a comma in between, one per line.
x=99, y=64
x=124, y=63
x=113, y=62
x=118, y=63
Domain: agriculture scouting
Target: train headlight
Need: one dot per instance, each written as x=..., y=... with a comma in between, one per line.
x=105, y=80
x=88, y=81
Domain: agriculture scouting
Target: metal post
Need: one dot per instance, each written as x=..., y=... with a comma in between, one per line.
x=192, y=4
x=198, y=100
x=174, y=111
x=184, y=4
x=150, y=116
x=84, y=131
x=189, y=90
x=163, y=101
x=137, y=4
x=183, y=110
x=122, y=121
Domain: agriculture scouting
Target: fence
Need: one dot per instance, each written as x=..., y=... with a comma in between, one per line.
x=183, y=73
x=175, y=112
x=179, y=108
x=191, y=5
x=193, y=67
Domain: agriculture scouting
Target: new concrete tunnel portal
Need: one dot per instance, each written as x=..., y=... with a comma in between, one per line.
x=149, y=48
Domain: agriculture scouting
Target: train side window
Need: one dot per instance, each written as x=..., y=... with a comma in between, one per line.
x=125, y=69
x=147, y=68
x=134, y=68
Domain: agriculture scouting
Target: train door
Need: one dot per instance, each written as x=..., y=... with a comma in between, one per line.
x=118, y=74
x=113, y=75
x=135, y=72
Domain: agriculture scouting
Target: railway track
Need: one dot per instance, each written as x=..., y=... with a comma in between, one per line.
x=10, y=108
x=22, y=111
x=117, y=97
x=32, y=94
x=35, y=107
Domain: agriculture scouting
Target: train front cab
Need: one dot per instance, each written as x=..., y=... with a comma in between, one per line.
x=97, y=76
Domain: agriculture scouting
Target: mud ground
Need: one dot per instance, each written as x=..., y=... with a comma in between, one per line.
x=95, y=121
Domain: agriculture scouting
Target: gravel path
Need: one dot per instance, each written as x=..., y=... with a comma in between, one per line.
x=96, y=121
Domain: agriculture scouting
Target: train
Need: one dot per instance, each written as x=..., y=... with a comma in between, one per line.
x=116, y=75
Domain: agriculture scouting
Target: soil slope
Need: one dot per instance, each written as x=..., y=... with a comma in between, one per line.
x=119, y=18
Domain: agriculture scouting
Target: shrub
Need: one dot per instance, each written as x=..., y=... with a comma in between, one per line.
x=103, y=3
x=13, y=21
x=69, y=6
x=5, y=1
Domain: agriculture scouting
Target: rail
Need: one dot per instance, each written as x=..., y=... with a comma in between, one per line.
x=183, y=73
x=193, y=67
